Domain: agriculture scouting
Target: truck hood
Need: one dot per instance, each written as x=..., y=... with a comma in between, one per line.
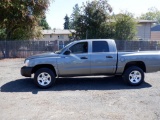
x=43, y=55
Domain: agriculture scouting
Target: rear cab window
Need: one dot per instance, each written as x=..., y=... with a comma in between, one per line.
x=100, y=46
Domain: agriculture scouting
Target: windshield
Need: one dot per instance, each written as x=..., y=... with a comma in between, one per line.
x=63, y=49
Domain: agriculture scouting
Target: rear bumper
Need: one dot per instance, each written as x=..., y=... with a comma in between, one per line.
x=26, y=71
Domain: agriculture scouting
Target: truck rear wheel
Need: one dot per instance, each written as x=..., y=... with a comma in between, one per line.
x=133, y=76
x=44, y=78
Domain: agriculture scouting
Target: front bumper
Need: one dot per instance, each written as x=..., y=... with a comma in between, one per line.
x=26, y=71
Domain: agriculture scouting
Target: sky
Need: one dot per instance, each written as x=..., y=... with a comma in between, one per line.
x=59, y=8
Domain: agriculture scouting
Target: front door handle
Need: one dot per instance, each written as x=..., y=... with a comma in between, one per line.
x=109, y=57
x=83, y=57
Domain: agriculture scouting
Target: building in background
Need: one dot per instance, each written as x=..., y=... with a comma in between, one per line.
x=155, y=32
x=57, y=34
x=57, y=38
x=143, y=32
x=144, y=29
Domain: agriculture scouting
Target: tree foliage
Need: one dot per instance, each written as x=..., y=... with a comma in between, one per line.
x=66, y=23
x=91, y=17
x=125, y=26
x=19, y=18
x=107, y=30
x=152, y=14
x=43, y=23
x=93, y=21
x=74, y=16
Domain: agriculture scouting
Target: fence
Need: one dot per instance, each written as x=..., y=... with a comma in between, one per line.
x=23, y=49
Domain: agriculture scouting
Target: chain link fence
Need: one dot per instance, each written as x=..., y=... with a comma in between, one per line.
x=23, y=49
x=124, y=45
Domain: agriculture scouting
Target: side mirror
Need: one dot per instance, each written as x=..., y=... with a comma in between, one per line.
x=68, y=52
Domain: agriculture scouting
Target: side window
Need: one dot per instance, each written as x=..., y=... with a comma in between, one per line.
x=100, y=46
x=79, y=48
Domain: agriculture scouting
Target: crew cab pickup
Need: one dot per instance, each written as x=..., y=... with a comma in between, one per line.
x=91, y=57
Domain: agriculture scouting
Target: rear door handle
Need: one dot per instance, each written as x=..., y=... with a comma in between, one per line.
x=109, y=57
x=84, y=58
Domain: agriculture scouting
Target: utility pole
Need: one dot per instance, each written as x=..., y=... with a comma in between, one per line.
x=86, y=34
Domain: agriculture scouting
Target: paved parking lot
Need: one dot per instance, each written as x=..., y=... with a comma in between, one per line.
x=82, y=98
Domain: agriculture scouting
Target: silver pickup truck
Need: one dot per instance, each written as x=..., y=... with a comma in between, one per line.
x=90, y=57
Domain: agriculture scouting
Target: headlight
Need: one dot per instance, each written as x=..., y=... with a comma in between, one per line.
x=26, y=63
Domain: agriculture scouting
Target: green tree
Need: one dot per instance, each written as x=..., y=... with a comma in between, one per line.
x=74, y=16
x=43, y=23
x=66, y=23
x=2, y=34
x=19, y=20
x=152, y=14
x=107, y=30
x=92, y=16
x=22, y=17
x=125, y=27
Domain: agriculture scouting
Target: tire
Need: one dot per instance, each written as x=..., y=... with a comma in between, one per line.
x=44, y=78
x=133, y=76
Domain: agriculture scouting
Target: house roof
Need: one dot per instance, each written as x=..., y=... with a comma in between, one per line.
x=138, y=21
x=146, y=21
x=156, y=28
x=57, y=31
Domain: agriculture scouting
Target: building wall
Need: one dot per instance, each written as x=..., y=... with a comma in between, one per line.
x=155, y=35
x=54, y=37
x=144, y=31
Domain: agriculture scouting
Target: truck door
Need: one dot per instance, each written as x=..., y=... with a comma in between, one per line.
x=102, y=60
x=77, y=62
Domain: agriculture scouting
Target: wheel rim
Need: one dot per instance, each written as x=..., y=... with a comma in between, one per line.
x=44, y=79
x=135, y=77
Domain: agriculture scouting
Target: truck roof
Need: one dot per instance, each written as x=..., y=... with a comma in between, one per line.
x=94, y=40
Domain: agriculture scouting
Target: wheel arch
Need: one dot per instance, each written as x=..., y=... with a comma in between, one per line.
x=139, y=64
x=37, y=67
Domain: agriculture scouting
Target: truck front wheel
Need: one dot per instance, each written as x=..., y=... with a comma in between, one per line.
x=44, y=78
x=133, y=76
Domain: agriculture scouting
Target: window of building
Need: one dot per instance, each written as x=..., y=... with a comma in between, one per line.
x=51, y=36
x=100, y=46
x=60, y=36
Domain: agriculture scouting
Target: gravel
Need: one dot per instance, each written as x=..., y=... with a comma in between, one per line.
x=81, y=98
